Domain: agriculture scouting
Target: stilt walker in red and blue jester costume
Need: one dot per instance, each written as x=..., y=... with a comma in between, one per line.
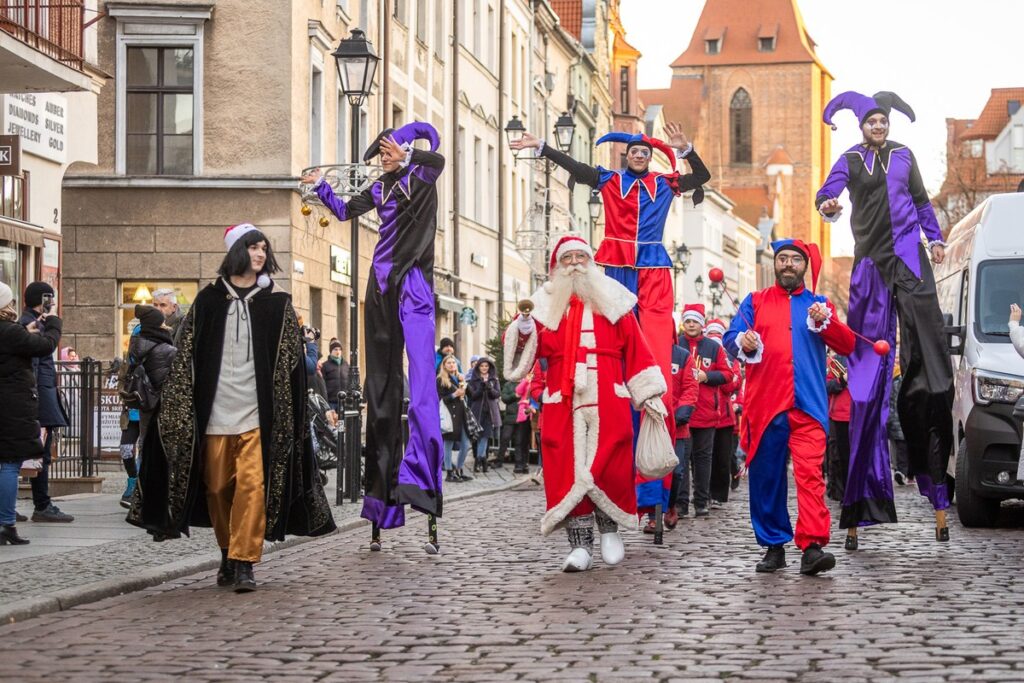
x=399, y=317
x=781, y=333
x=636, y=205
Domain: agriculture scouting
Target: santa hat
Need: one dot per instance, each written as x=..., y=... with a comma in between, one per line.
x=404, y=136
x=863, y=106
x=234, y=232
x=694, y=312
x=714, y=326
x=809, y=251
x=569, y=243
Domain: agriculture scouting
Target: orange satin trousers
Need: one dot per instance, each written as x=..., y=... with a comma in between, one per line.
x=233, y=472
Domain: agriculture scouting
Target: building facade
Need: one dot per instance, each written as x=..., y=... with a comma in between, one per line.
x=48, y=89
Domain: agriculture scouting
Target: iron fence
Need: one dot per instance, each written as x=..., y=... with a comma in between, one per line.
x=80, y=388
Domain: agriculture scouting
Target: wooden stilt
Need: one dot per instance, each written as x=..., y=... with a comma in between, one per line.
x=375, y=543
x=432, y=547
x=659, y=527
x=941, y=530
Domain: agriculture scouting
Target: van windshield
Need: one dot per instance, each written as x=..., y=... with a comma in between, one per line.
x=1000, y=283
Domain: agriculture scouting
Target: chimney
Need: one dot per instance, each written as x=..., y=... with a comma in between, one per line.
x=1012, y=107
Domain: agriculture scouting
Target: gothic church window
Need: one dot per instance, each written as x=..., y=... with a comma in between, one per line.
x=740, y=125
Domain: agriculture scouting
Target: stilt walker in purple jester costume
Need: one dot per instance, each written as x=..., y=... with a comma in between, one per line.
x=891, y=280
x=399, y=315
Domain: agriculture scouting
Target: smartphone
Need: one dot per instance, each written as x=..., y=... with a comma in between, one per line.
x=47, y=303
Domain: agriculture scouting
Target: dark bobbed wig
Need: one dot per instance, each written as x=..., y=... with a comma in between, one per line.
x=236, y=261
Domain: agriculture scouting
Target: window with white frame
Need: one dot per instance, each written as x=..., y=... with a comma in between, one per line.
x=478, y=181
x=421, y=20
x=159, y=89
x=440, y=29
x=316, y=114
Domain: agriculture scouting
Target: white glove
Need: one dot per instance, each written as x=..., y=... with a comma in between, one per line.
x=525, y=324
x=655, y=408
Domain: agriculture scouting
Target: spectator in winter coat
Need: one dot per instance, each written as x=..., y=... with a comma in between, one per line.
x=1016, y=331
x=20, y=346
x=166, y=301
x=152, y=348
x=685, y=389
x=39, y=301
x=723, y=452
x=484, y=391
x=335, y=373
x=444, y=349
x=508, y=419
x=451, y=390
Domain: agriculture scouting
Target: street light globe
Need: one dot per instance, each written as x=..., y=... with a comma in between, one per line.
x=565, y=129
x=357, y=63
x=595, y=206
x=683, y=257
x=514, y=131
x=698, y=284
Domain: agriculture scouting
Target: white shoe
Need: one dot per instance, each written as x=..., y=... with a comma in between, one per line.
x=612, y=550
x=579, y=560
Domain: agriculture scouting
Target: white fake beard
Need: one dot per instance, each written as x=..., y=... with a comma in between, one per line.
x=586, y=282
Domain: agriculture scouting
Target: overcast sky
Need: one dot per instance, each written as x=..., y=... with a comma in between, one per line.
x=941, y=56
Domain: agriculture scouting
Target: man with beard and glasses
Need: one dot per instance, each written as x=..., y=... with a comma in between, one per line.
x=598, y=367
x=891, y=280
x=781, y=333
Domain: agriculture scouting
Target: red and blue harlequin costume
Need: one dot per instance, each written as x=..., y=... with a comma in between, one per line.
x=785, y=404
x=632, y=253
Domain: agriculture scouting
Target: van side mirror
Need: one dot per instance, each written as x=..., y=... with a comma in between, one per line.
x=954, y=335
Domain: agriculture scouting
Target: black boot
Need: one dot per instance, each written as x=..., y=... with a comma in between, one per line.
x=449, y=476
x=9, y=534
x=816, y=560
x=463, y=476
x=226, y=573
x=244, y=580
x=774, y=559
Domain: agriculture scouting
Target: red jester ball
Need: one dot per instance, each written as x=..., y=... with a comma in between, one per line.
x=881, y=347
x=716, y=275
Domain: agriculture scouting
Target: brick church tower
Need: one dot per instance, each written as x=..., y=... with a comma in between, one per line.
x=750, y=90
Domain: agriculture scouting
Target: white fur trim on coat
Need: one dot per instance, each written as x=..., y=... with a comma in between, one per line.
x=517, y=369
x=616, y=301
x=583, y=484
x=646, y=384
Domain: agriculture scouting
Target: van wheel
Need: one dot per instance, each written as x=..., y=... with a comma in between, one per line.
x=972, y=509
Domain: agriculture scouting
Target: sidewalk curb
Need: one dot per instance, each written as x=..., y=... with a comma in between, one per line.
x=65, y=599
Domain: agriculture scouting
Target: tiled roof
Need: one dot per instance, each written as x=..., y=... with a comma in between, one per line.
x=740, y=24
x=995, y=115
x=750, y=202
x=570, y=14
x=681, y=102
x=779, y=156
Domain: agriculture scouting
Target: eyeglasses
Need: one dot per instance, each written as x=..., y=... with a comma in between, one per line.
x=575, y=256
x=641, y=152
x=795, y=260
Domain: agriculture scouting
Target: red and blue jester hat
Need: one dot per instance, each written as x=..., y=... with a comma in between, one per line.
x=630, y=140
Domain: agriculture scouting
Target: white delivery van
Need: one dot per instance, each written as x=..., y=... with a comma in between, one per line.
x=982, y=274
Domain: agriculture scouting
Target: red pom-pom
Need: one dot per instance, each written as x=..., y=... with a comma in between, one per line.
x=881, y=347
x=716, y=275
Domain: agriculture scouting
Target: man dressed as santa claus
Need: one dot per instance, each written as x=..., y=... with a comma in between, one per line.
x=598, y=365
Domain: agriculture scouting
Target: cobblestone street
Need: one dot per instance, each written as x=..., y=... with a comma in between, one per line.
x=493, y=606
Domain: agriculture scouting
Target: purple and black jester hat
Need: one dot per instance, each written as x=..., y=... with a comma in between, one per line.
x=863, y=106
x=404, y=136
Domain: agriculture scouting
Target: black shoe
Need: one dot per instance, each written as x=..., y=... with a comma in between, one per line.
x=449, y=476
x=684, y=510
x=244, y=580
x=226, y=573
x=9, y=534
x=465, y=477
x=476, y=467
x=701, y=512
x=815, y=560
x=520, y=470
x=18, y=517
x=52, y=513
x=851, y=542
x=942, y=534
x=901, y=479
x=735, y=483
x=774, y=559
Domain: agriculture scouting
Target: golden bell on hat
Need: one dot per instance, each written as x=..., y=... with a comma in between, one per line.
x=324, y=221
x=306, y=209
x=525, y=306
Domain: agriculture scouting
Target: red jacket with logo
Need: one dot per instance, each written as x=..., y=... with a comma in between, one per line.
x=709, y=356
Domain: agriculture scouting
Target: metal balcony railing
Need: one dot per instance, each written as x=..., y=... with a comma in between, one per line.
x=54, y=27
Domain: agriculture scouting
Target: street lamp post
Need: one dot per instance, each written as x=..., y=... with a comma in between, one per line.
x=698, y=285
x=680, y=262
x=357, y=63
x=594, y=205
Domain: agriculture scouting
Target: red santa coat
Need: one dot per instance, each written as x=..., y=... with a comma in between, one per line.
x=587, y=438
